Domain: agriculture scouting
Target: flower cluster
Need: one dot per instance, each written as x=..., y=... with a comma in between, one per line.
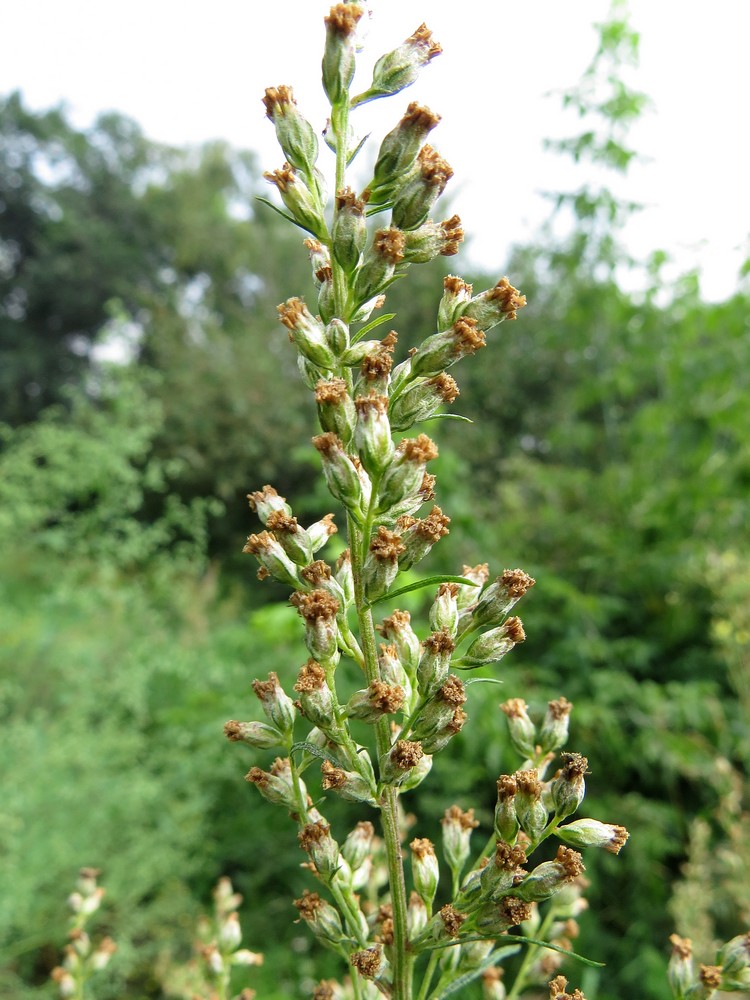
x=82, y=958
x=375, y=458
x=730, y=974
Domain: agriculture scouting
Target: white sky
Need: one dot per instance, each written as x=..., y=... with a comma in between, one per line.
x=189, y=71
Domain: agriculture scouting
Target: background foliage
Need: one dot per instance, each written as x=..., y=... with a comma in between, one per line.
x=610, y=457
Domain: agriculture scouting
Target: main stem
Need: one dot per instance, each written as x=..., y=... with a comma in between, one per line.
x=402, y=959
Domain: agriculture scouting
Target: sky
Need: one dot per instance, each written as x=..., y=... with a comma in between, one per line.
x=190, y=71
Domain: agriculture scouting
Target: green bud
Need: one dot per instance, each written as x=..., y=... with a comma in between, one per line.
x=442, y=350
x=502, y=871
x=425, y=869
x=439, y=711
x=326, y=294
x=417, y=774
x=379, y=264
x=277, y=705
x=291, y=536
x=272, y=558
x=398, y=69
x=404, y=475
x=493, y=645
x=496, y=600
x=495, y=305
x=340, y=473
x=277, y=785
x=522, y=730
x=554, y=729
x=414, y=201
x=444, y=609
x=340, y=50
x=344, y=576
x=734, y=959
x=397, y=762
x=319, y=259
x=315, y=696
x=296, y=135
x=434, y=663
x=348, y=784
x=381, y=564
x=433, y=240
x=306, y=332
x=416, y=915
x=267, y=500
x=420, y=536
x=456, y=297
x=506, y=820
x=349, y=229
x=316, y=840
x=358, y=845
x=372, y=433
x=255, y=734
x=680, y=971
x=457, y=829
x=322, y=919
x=319, y=609
x=398, y=151
x=336, y=410
x=439, y=740
x=422, y=401
x=320, y=531
x=569, y=787
x=300, y=197
x=549, y=877
x=592, y=833
x=530, y=808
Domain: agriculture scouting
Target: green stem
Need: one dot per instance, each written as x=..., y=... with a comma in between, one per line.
x=428, y=975
x=401, y=959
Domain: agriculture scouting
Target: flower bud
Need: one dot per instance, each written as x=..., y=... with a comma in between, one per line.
x=492, y=984
x=306, y=332
x=277, y=705
x=316, y=700
x=335, y=408
x=340, y=49
x=398, y=69
x=496, y=600
x=322, y=919
x=381, y=565
x=506, y=820
x=495, y=305
x=391, y=671
x=399, y=760
x=296, y=136
x=358, y=845
x=441, y=350
x=372, y=433
x=434, y=663
x=293, y=539
x=320, y=531
x=243, y=956
x=316, y=839
x=416, y=915
x=264, y=502
x=102, y=956
x=568, y=786
x=319, y=610
x=456, y=297
x=349, y=229
x=680, y=971
x=340, y=472
x=493, y=645
x=255, y=734
x=530, y=809
x=348, y=784
x=457, y=830
x=734, y=959
x=444, y=609
x=344, y=576
x=230, y=933
x=502, y=871
x=371, y=964
x=276, y=785
x=425, y=869
x=422, y=401
x=375, y=701
x=438, y=740
x=438, y=713
x=398, y=151
x=433, y=239
x=419, y=536
x=592, y=833
x=414, y=201
x=66, y=983
x=546, y=879
x=272, y=558
x=522, y=730
x=379, y=264
x=300, y=198
x=404, y=475
x=319, y=259
x=398, y=631
x=554, y=729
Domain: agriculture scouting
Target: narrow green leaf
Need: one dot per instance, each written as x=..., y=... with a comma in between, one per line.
x=428, y=581
x=316, y=752
x=554, y=947
x=448, y=416
x=472, y=974
x=284, y=215
x=483, y=680
x=385, y=318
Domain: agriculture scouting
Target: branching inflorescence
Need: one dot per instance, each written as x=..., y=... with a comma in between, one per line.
x=404, y=945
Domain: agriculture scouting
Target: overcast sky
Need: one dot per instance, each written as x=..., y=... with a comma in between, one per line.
x=188, y=71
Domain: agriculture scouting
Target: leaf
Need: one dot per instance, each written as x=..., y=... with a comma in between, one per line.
x=284, y=215
x=385, y=318
x=449, y=416
x=317, y=752
x=356, y=149
x=554, y=947
x=428, y=581
x=483, y=680
x=472, y=974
